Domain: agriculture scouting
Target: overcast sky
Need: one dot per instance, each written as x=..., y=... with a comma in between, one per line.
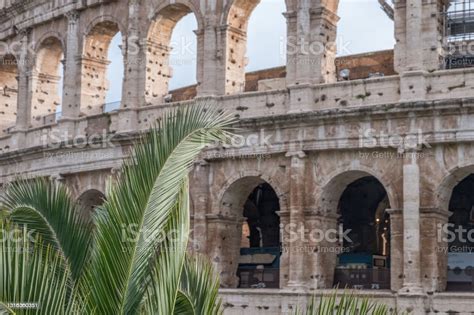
x=363, y=27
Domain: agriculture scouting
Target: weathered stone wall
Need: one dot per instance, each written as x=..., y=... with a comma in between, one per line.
x=308, y=130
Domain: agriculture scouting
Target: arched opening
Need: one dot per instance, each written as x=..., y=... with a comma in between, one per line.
x=47, y=83
x=246, y=244
x=260, y=244
x=460, y=237
x=361, y=57
x=115, y=72
x=98, y=84
x=89, y=200
x=170, y=53
x=248, y=49
x=364, y=259
x=8, y=92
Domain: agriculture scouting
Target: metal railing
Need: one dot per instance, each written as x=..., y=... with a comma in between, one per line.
x=368, y=278
x=50, y=119
x=459, y=21
x=460, y=279
x=459, y=34
x=110, y=107
x=53, y=118
x=259, y=278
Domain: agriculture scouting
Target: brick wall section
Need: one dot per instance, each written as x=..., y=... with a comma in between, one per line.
x=184, y=93
x=252, y=78
x=360, y=66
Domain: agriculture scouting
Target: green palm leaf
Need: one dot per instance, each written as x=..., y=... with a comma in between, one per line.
x=347, y=304
x=162, y=292
x=200, y=285
x=33, y=277
x=145, y=198
x=48, y=209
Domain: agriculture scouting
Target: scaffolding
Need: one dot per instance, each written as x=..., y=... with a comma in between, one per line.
x=459, y=34
x=459, y=21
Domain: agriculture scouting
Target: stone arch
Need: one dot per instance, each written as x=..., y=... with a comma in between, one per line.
x=228, y=8
x=228, y=224
x=235, y=18
x=89, y=199
x=189, y=5
x=337, y=182
x=449, y=182
x=96, y=43
x=47, y=76
x=454, y=196
x=108, y=19
x=8, y=92
x=255, y=177
x=47, y=36
x=360, y=200
x=158, y=47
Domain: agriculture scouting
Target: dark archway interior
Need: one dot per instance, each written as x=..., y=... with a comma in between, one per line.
x=89, y=200
x=262, y=219
x=364, y=259
x=362, y=208
x=260, y=245
x=461, y=238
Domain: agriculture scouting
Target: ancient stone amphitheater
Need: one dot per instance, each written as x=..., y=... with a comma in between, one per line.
x=379, y=144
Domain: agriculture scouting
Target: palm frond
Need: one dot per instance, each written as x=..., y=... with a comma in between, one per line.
x=344, y=304
x=144, y=199
x=33, y=277
x=163, y=290
x=48, y=209
x=200, y=284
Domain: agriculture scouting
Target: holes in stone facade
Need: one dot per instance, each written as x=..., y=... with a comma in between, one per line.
x=102, y=41
x=243, y=21
x=47, y=82
x=8, y=92
x=171, y=45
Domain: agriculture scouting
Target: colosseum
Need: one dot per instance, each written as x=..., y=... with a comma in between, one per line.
x=348, y=171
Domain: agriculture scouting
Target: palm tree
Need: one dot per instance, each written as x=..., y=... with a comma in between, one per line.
x=346, y=303
x=62, y=263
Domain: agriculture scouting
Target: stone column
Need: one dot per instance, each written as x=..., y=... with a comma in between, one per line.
x=23, y=103
x=223, y=247
x=321, y=255
x=411, y=227
x=72, y=70
x=286, y=247
x=408, y=17
x=134, y=81
x=311, y=50
x=291, y=53
x=434, y=259
x=200, y=195
x=312, y=33
x=419, y=29
x=296, y=209
x=414, y=16
x=210, y=59
x=396, y=249
x=236, y=59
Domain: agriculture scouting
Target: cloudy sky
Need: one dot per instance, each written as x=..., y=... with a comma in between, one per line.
x=363, y=27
